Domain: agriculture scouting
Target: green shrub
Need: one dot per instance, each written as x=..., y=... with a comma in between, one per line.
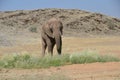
x=108, y=58
x=33, y=29
x=29, y=61
x=90, y=57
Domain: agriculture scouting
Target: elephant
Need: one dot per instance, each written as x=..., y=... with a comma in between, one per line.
x=51, y=34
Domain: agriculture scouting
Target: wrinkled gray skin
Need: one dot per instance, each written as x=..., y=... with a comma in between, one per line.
x=51, y=34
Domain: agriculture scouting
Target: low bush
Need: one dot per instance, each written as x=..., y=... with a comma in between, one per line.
x=33, y=29
x=90, y=57
x=29, y=61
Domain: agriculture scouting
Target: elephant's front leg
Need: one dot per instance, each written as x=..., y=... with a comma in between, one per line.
x=50, y=44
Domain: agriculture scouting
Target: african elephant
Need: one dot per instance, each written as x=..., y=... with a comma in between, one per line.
x=51, y=33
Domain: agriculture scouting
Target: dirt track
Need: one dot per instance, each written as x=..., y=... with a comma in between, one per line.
x=94, y=71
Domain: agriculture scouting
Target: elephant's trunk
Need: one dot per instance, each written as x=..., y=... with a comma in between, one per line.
x=58, y=40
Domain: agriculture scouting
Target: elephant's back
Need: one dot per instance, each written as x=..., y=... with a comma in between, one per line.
x=54, y=20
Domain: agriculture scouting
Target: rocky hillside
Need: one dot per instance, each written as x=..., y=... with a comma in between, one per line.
x=76, y=22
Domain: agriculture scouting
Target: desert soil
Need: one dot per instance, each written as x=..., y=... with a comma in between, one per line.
x=71, y=45
x=93, y=71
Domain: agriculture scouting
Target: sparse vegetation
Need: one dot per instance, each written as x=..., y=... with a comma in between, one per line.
x=29, y=61
x=90, y=57
x=33, y=29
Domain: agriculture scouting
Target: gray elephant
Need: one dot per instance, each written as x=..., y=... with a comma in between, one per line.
x=51, y=33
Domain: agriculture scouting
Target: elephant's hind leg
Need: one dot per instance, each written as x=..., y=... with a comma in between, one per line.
x=44, y=45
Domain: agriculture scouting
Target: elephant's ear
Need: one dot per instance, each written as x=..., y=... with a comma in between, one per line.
x=48, y=31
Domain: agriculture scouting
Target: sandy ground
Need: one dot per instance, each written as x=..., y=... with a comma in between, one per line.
x=102, y=45
x=93, y=71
